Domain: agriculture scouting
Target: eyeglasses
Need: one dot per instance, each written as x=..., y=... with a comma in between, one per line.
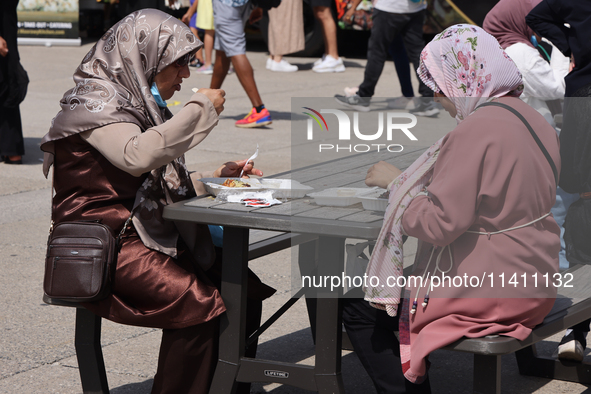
x=183, y=61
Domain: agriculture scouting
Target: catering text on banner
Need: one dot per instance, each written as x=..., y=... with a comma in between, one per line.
x=48, y=19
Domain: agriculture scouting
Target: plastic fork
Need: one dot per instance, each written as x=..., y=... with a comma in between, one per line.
x=254, y=156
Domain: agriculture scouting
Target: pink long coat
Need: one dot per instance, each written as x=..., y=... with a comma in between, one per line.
x=490, y=175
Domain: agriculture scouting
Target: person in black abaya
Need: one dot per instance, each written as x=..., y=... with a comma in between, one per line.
x=548, y=20
x=12, y=146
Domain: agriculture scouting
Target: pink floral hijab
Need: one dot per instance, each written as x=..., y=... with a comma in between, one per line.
x=113, y=85
x=469, y=66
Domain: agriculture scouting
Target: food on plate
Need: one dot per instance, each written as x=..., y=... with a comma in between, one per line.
x=234, y=183
x=385, y=195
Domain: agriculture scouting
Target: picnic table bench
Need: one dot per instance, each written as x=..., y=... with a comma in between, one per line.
x=572, y=306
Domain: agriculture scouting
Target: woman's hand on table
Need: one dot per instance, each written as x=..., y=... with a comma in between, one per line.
x=216, y=96
x=381, y=174
x=232, y=169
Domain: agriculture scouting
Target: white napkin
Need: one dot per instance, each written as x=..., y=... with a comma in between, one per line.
x=250, y=199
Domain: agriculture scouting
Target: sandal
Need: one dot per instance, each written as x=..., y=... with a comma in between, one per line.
x=8, y=160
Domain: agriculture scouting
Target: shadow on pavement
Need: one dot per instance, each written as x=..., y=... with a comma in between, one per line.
x=134, y=388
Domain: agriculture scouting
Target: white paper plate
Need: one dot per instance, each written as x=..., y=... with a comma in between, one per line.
x=214, y=185
x=370, y=201
x=339, y=197
x=285, y=188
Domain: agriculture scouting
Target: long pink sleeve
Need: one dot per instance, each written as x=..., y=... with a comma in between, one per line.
x=450, y=207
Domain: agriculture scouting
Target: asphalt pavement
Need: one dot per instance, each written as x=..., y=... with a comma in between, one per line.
x=37, y=341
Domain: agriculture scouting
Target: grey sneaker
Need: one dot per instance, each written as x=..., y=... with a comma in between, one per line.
x=354, y=102
x=406, y=103
x=351, y=91
x=428, y=109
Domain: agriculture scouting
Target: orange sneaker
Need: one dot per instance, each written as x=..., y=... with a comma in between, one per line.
x=255, y=119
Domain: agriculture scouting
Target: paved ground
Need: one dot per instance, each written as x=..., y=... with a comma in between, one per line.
x=36, y=345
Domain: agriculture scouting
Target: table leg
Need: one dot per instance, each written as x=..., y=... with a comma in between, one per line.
x=487, y=374
x=331, y=255
x=233, y=322
x=307, y=263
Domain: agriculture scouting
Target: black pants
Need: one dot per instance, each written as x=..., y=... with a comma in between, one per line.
x=11, y=132
x=371, y=332
x=401, y=63
x=386, y=26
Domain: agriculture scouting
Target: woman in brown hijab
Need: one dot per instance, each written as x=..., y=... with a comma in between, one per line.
x=116, y=148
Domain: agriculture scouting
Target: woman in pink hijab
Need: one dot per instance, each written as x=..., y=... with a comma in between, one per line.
x=479, y=203
x=543, y=76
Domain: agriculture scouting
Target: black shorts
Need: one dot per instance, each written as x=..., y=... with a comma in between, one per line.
x=321, y=3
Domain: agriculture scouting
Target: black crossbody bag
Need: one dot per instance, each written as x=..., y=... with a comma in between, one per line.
x=81, y=260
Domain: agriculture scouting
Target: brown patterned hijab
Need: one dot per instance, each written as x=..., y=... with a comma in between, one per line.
x=113, y=85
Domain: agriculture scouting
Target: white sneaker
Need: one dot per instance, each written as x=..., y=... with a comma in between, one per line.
x=330, y=65
x=283, y=66
x=269, y=61
x=571, y=350
x=317, y=62
x=407, y=103
x=351, y=91
x=572, y=346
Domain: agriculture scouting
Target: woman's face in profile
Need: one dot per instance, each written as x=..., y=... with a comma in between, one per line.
x=169, y=80
x=447, y=104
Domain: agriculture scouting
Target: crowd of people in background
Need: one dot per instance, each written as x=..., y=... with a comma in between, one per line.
x=397, y=31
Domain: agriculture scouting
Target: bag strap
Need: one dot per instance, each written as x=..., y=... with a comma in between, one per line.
x=532, y=132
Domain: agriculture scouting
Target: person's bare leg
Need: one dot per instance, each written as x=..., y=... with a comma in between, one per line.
x=329, y=28
x=245, y=76
x=220, y=70
x=208, y=46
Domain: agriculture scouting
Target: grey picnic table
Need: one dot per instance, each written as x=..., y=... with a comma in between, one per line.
x=331, y=226
x=320, y=233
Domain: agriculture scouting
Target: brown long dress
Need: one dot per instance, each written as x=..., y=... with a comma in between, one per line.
x=150, y=288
